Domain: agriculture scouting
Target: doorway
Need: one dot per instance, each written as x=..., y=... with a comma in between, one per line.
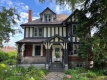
x=56, y=49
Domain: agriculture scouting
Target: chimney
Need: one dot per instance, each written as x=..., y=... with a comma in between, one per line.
x=30, y=15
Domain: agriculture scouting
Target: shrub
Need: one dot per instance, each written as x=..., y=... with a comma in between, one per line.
x=33, y=70
x=3, y=56
x=8, y=57
x=105, y=71
x=81, y=70
x=19, y=69
x=10, y=61
x=90, y=74
x=45, y=71
x=12, y=54
x=70, y=71
x=21, y=73
x=2, y=66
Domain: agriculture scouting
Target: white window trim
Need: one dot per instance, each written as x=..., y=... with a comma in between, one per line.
x=38, y=32
x=27, y=31
x=48, y=18
x=33, y=50
x=73, y=51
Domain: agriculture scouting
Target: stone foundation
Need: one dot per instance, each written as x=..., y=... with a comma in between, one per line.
x=36, y=65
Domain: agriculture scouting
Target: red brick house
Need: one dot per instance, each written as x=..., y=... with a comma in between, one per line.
x=48, y=36
x=8, y=49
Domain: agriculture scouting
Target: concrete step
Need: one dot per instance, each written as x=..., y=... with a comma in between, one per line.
x=56, y=67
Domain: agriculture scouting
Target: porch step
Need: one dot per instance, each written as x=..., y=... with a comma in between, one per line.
x=56, y=67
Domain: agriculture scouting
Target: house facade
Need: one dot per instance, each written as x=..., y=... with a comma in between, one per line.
x=50, y=39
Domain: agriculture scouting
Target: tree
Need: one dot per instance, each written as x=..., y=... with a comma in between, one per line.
x=71, y=3
x=8, y=19
x=97, y=18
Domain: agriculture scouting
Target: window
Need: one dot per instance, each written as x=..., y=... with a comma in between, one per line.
x=75, y=48
x=57, y=52
x=74, y=29
x=48, y=17
x=79, y=65
x=38, y=32
x=37, y=50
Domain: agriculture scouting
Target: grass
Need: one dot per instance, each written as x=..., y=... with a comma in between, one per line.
x=85, y=74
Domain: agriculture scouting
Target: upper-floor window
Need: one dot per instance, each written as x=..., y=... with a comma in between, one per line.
x=48, y=17
x=38, y=32
x=74, y=29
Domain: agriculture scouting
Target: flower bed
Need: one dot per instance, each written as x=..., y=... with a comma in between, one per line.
x=85, y=74
x=21, y=73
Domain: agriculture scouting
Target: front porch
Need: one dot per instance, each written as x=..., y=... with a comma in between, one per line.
x=45, y=52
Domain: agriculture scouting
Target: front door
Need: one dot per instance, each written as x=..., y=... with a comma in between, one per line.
x=56, y=50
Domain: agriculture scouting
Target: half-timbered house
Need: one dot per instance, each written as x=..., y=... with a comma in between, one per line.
x=50, y=35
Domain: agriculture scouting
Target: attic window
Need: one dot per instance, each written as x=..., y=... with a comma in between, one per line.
x=48, y=17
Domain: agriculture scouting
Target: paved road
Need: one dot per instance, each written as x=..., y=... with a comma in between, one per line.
x=55, y=76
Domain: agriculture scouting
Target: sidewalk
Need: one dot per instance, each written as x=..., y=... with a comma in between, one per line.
x=55, y=76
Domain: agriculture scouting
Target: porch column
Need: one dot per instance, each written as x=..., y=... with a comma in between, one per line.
x=22, y=49
x=19, y=48
x=47, y=59
x=66, y=56
x=63, y=45
x=66, y=50
x=47, y=55
x=22, y=52
x=46, y=47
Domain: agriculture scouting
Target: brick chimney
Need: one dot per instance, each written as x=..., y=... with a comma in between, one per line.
x=30, y=15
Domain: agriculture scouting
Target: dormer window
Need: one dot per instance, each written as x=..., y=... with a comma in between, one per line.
x=48, y=17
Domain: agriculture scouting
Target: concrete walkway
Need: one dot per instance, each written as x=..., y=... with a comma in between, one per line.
x=55, y=76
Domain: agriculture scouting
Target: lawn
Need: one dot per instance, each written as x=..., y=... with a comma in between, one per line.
x=85, y=74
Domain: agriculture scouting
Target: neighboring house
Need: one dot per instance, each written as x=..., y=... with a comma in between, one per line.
x=8, y=49
x=50, y=34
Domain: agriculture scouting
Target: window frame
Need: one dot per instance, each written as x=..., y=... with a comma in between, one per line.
x=71, y=53
x=36, y=49
x=48, y=17
x=75, y=48
x=38, y=32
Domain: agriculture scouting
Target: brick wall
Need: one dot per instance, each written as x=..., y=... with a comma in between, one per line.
x=44, y=51
x=74, y=58
x=28, y=50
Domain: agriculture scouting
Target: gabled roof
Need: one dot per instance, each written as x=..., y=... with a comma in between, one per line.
x=47, y=9
x=56, y=36
x=59, y=19
x=71, y=15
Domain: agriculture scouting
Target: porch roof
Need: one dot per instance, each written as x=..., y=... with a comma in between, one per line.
x=56, y=36
x=30, y=40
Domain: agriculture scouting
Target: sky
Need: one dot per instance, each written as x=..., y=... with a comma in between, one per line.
x=22, y=7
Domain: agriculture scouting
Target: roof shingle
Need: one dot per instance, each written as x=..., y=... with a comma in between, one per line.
x=30, y=40
x=59, y=19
